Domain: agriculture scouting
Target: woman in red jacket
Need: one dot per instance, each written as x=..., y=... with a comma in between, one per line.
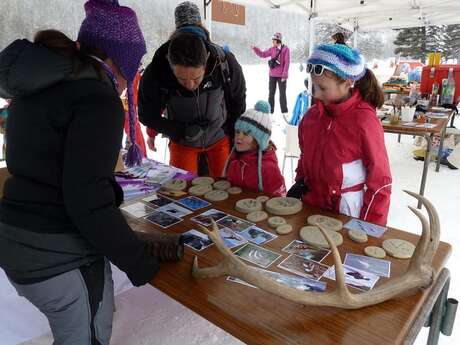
x=252, y=163
x=343, y=164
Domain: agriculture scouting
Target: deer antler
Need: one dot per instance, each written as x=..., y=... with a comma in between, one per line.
x=419, y=274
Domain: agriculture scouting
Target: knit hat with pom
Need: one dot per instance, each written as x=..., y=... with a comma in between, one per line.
x=257, y=123
x=340, y=59
x=187, y=13
x=114, y=29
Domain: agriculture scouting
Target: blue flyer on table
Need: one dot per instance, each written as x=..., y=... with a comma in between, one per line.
x=373, y=230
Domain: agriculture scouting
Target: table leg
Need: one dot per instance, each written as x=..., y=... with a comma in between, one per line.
x=441, y=145
x=426, y=163
x=442, y=314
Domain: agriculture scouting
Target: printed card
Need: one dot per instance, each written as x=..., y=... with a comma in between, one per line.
x=162, y=219
x=257, y=235
x=231, y=239
x=355, y=278
x=193, y=203
x=234, y=223
x=138, y=209
x=158, y=200
x=175, y=210
x=196, y=240
x=257, y=255
x=303, y=267
x=373, y=230
x=206, y=217
x=377, y=266
x=306, y=251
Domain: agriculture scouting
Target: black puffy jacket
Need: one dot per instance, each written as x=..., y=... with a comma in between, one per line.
x=60, y=206
x=160, y=90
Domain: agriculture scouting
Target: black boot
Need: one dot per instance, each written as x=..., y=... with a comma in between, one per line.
x=448, y=164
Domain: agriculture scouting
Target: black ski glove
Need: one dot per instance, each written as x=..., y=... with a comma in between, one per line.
x=164, y=247
x=297, y=190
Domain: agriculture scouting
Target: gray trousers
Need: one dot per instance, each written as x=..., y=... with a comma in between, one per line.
x=78, y=304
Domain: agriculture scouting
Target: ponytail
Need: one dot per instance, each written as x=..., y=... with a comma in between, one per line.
x=59, y=43
x=370, y=90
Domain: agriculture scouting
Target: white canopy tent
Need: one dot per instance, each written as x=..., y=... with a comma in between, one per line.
x=371, y=15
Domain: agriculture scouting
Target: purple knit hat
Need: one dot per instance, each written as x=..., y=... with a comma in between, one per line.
x=115, y=30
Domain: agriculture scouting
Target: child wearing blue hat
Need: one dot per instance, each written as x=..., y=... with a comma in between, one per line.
x=343, y=165
x=253, y=163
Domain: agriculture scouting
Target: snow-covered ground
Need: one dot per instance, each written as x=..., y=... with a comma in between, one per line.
x=145, y=316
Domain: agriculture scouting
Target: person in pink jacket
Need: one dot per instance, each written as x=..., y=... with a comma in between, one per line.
x=280, y=59
x=253, y=163
x=343, y=164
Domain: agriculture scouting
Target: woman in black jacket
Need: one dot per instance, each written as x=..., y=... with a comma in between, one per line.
x=193, y=92
x=59, y=218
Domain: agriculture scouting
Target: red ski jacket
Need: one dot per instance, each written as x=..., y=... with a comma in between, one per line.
x=242, y=171
x=344, y=161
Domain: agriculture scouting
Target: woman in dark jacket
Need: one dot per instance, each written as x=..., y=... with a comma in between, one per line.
x=193, y=92
x=59, y=216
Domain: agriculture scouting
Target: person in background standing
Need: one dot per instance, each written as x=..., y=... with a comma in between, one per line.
x=193, y=92
x=338, y=38
x=280, y=59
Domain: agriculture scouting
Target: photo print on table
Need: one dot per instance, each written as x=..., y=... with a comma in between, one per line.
x=373, y=230
x=306, y=251
x=175, y=210
x=257, y=235
x=205, y=217
x=354, y=277
x=294, y=281
x=163, y=219
x=193, y=203
x=196, y=240
x=373, y=265
x=158, y=200
x=257, y=255
x=138, y=209
x=231, y=239
x=303, y=267
x=234, y=223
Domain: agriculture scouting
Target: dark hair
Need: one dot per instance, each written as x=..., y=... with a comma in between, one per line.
x=187, y=49
x=370, y=89
x=277, y=41
x=368, y=86
x=339, y=38
x=63, y=45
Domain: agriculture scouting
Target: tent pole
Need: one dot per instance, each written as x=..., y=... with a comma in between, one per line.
x=311, y=41
x=355, y=33
x=207, y=5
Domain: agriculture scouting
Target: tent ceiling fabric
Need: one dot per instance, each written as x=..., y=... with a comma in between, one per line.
x=371, y=15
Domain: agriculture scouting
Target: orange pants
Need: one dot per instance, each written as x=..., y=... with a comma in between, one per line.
x=186, y=157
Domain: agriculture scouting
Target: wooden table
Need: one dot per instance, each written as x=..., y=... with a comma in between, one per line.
x=257, y=317
x=428, y=134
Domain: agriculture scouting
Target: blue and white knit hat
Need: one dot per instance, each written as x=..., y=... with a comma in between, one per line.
x=344, y=61
x=257, y=123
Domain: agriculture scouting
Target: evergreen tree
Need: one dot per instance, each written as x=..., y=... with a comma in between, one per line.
x=411, y=43
x=452, y=47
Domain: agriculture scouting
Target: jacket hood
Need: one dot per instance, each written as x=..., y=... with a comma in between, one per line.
x=251, y=156
x=27, y=68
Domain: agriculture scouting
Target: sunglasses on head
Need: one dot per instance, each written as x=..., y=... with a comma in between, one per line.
x=316, y=69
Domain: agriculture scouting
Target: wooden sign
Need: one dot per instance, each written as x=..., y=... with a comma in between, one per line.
x=228, y=12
